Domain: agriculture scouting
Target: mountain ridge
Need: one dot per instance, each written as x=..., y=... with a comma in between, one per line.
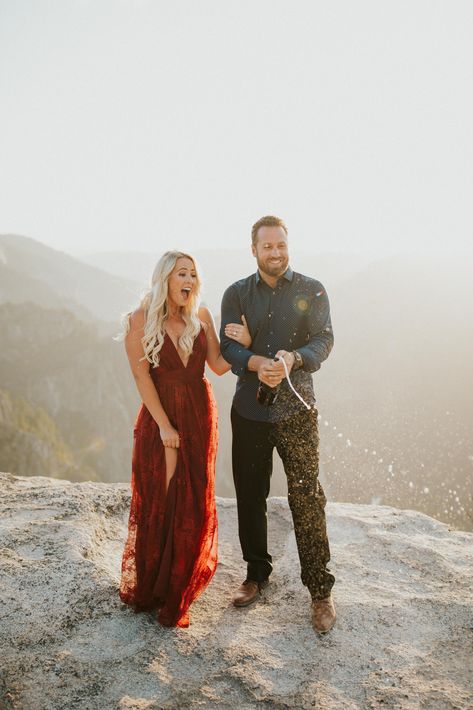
x=92, y=293
x=393, y=396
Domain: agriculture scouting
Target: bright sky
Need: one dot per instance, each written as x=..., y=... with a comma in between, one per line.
x=143, y=124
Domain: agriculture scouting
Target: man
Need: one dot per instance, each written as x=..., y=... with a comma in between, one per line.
x=288, y=315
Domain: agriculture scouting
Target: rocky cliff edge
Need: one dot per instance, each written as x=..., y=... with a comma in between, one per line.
x=403, y=638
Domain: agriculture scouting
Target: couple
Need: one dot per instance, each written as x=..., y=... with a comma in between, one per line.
x=269, y=317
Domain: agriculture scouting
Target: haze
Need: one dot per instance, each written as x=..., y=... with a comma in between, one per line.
x=147, y=125
x=128, y=128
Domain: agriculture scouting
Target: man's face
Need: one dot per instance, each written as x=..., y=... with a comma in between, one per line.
x=271, y=251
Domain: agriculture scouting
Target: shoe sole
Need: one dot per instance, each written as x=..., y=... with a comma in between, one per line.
x=322, y=633
x=241, y=606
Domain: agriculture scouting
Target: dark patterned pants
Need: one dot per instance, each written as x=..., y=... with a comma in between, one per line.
x=297, y=443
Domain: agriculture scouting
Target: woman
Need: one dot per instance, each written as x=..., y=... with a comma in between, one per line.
x=171, y=551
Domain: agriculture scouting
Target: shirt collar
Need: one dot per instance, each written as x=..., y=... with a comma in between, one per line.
x=288, y=275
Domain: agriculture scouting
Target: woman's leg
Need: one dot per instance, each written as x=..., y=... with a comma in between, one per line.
x=171, y=464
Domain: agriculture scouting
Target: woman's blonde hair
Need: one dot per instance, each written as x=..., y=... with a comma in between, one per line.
x=154, y=304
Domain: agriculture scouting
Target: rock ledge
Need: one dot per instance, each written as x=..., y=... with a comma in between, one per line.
x=403, y=639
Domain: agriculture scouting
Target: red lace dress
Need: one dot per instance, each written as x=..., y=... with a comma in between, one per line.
x=171, y=552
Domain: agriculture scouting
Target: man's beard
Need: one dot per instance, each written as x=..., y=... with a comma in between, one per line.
x=273, y=271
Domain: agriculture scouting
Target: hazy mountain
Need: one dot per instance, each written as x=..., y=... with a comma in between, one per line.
x=31, y=271
x=135, y=265
x=220, y=267
x=394, y=396
x=398, y=387
x=80, y=379
x=16, y=287
x=31, y=444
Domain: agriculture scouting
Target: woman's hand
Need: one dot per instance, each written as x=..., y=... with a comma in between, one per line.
x=238, y=332
x=169, y=436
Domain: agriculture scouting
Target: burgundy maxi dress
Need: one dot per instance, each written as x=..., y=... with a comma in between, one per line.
x=171, y=551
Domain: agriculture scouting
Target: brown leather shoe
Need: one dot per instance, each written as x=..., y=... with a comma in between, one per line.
x=248, y=592
x=323, y=615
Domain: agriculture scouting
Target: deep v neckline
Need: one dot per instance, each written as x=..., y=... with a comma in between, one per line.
x=185, y=366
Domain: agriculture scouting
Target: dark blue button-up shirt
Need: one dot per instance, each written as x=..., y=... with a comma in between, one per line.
x=294, y=315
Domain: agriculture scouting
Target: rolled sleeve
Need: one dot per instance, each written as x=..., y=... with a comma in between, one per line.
x=320, y=341
x=233, y=352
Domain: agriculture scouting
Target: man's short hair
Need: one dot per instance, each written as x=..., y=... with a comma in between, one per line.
x=268, y=221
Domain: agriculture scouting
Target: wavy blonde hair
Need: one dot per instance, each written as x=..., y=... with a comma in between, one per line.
x=154, y=304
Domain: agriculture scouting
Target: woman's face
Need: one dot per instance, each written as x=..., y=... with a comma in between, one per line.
x=182, y=282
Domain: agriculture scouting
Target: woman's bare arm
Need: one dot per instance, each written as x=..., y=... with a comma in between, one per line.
x=215, y=359
x=144, y=383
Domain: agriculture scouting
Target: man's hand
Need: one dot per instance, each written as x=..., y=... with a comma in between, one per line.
x=271, y=372
x=288, y=359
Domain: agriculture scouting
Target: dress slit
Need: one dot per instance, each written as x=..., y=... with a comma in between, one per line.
x=162, y=579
